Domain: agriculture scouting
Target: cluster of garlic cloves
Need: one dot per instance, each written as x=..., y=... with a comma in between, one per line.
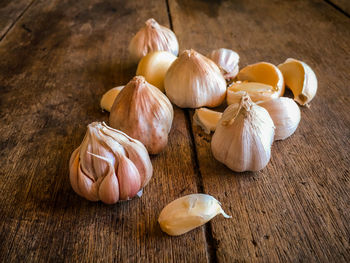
x=153, y=37
x=109, y=165
x=143, y=112
x=227, y=60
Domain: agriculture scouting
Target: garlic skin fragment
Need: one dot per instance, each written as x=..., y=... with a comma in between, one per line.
x=227, y=60
x=243, y=137
x=301, y=79
x=188, y=212
x=143, y=112
x=109, y=97
x=285, y=114
x=194, y=81
x=153, y=67
x=207, y=119
x=153, y=37
x=109, y=165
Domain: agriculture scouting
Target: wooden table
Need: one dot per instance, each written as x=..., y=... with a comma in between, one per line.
x=58, y=58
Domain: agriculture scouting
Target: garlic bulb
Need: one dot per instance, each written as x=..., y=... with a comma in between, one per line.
x=143, y=112
x=301, y=79
x=194, y=81
x=227, y=60
x=207, y=119
x=153, y=67
x=153, y=37
x=109, y=165
x=189, y=212
x=243, y=137
x=109, y=97
x=285, y=114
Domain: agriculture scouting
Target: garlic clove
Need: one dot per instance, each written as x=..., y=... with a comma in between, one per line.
x=143, y=112
x=227, y=60
x=285, y=114
x=194, y=81
x=207, y=119
x=257, y=92
x=189, y=212
x=109, y=97
x=153, y=37
x=265, y=73
x=243, y=137
x=153, y=67
x=301, y=79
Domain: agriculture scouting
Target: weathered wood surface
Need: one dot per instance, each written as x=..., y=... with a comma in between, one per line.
x=343, y=5
x=52, y=75
x=51, y=79
x=298, y=207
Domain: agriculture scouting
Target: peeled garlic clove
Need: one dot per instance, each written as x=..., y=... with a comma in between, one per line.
x=153, y=37
x=143, y=112
x=265, y=73
x=194, y=81
x=207, y=119
x=101, y=168
x=189, y=212
x=257, y=92
x=300, y=78
x=153, y=67
x=243, y=137
x=109, y=97
x=227, y=60
x=285, y=114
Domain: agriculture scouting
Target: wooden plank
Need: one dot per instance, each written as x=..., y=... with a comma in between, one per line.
x=297, y=208
x=344, y=5
x=10, y=11
x=51, y=80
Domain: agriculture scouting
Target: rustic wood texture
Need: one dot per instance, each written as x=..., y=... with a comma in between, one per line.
x=52, y=77
x=10, y=12
x=297, y=208
x=344, y=5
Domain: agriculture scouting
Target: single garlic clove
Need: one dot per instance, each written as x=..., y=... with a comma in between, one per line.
x=257, y=92
x=109, y=97
x=285, y=114
x=153, y=37
x=189, y=212
x=265, y=73
x=153, y=67
x=143, y=112
x=301, y=79
x=207, y=119
x=227, y=60
x=194, y=81
x=243, y=137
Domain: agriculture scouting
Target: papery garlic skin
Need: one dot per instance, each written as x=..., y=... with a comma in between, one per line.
x=301, y=79
x=109, y=165
x=108, y=98
x=227, y=60
x=154, y=66
x=143, y=112
x=207, y=119
x=188, y=212
x=153, y=37
x=285, y=114
x=243, y=137
x=194, y=81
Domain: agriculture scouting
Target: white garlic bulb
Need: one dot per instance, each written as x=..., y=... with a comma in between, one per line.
x=243, y=137
x=285, y=114
x=109, y=165
x=227, y=60
x=194, y=81
x=143, y=112
x=153, y=37
x=189, y=212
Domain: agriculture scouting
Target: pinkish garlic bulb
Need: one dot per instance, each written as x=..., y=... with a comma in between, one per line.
x=109, y=165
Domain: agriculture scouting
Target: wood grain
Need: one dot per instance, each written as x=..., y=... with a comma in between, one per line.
x=297, y=208
x=52, y=76
x=344, y=5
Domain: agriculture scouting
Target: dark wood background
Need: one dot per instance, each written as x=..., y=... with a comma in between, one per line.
x=58, y=57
